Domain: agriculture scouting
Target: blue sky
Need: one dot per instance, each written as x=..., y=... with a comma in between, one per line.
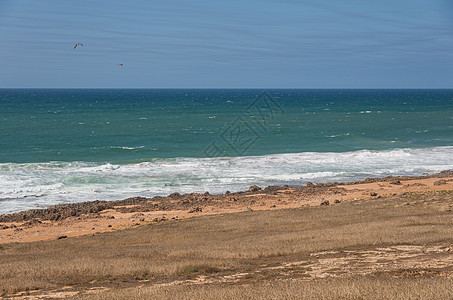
x=227, y=44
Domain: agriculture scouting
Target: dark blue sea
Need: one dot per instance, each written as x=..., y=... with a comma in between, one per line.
x=61, y=146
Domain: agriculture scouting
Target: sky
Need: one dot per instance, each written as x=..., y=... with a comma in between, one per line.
x=226, y=44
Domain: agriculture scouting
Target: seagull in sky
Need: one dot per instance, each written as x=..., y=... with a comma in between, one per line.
x=77, y=45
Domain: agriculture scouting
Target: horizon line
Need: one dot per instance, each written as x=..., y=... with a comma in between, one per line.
x=226, y=88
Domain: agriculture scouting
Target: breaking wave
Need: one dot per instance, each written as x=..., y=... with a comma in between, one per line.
x=31, y=185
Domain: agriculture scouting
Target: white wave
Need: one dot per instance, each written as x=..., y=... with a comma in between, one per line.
x=126, y=148
x=62, y=182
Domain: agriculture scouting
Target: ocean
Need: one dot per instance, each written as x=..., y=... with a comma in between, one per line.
x=72, y=145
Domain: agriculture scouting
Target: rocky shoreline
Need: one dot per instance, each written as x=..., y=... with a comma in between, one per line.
x=84, y=218
x=189, y=201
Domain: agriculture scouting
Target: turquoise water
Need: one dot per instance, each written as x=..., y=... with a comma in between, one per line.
x=77, y=145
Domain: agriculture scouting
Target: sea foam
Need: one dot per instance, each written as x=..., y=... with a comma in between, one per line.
x=36, y=185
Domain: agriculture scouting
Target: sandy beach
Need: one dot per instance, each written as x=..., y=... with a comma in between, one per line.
x=88, y=218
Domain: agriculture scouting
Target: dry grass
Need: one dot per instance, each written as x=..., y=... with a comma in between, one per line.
x=231, y=243
x=371, y=287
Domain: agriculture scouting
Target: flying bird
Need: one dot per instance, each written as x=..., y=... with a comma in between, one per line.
x=77, y=45
x=120, y=65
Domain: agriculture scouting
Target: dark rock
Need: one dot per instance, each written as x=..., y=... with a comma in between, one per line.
x=131, y=201
x=325, y=203
x=254, y=188
x=310, y=184
x=196, y=209
x=373, y=194
x=337, y=201
x=31, y=223
x=446, y=172
x=395, y=182
x=60, y=237
x=272, y=189
x=59, y=212
x=440, y=182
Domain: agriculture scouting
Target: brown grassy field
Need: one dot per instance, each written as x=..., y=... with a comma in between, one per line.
x=386, y=248
x=369, y=287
